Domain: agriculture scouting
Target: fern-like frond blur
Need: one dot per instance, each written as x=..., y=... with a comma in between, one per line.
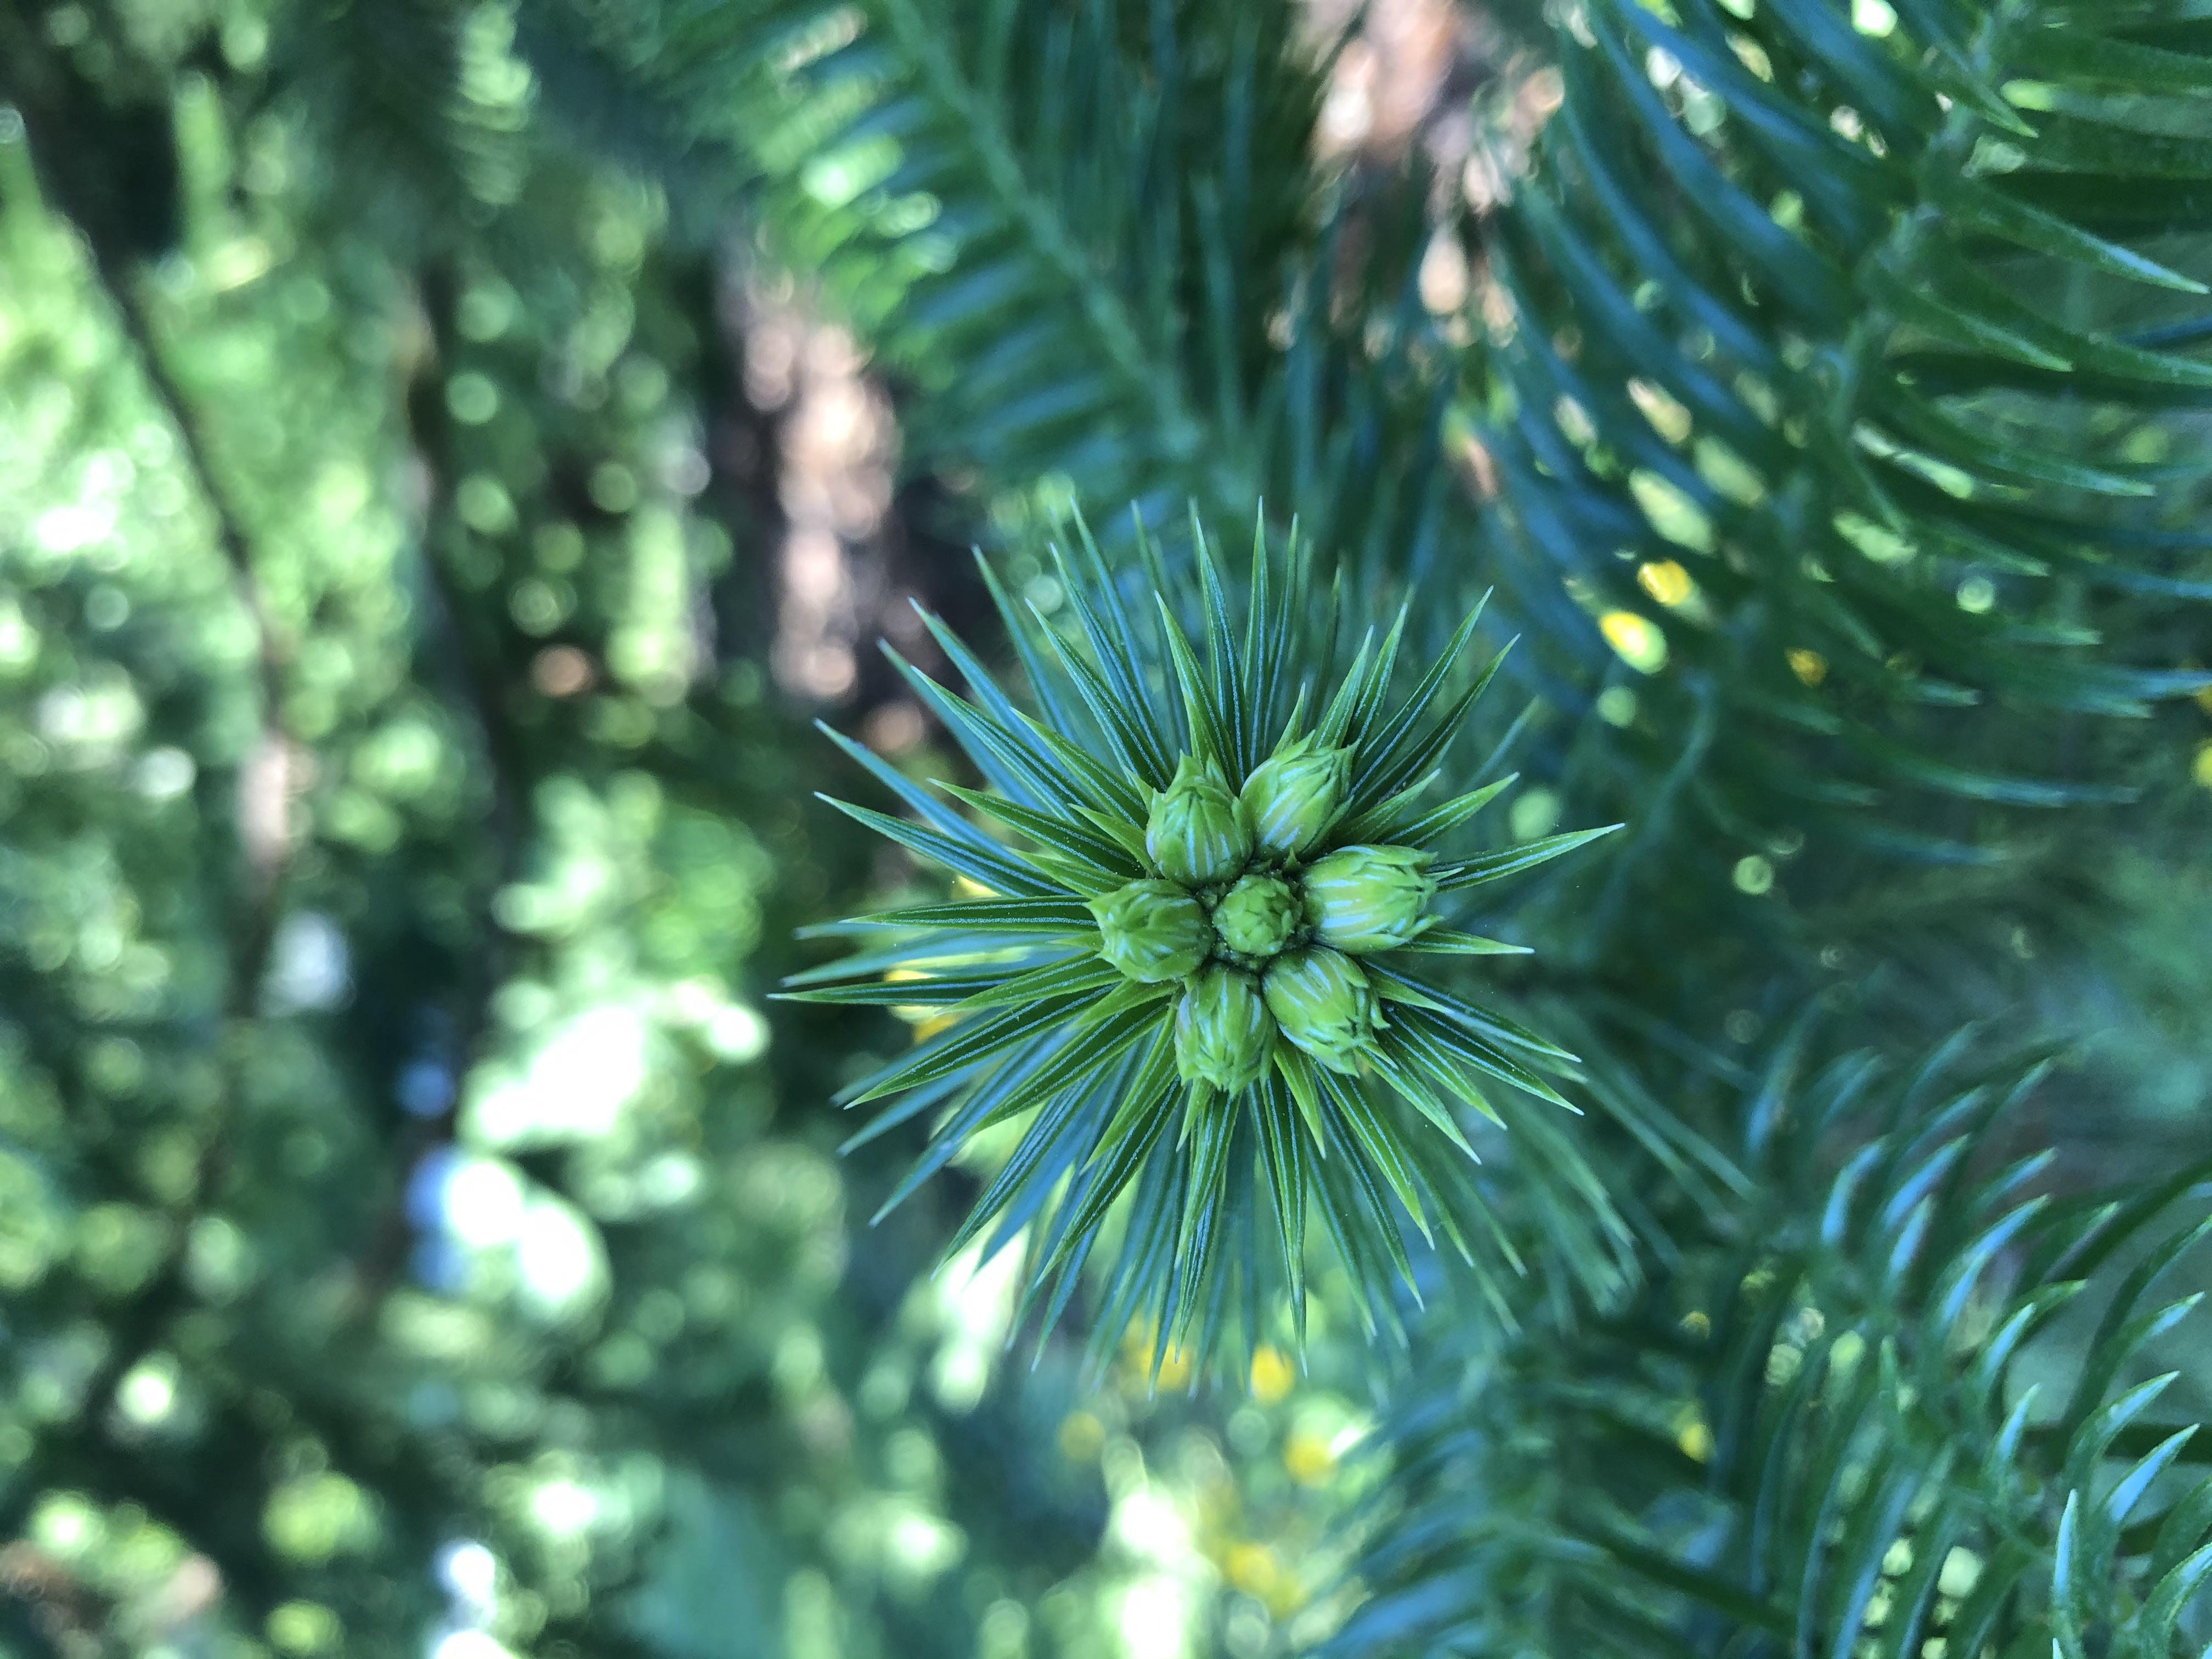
x=1843, y=365
x=1842, y=1422
x=1093, y=237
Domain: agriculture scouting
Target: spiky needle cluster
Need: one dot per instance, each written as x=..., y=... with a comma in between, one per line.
x=1200, y=949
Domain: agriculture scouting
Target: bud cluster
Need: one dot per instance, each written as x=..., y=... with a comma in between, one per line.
x=1243, y=825
x=1259, y=923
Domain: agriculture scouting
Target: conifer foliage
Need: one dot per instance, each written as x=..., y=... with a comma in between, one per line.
x=1736, y=1236
x=1839, y=358
x=1823, y=1428
x=1198, y=968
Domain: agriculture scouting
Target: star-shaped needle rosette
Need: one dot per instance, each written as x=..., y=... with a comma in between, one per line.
x=1200, y=961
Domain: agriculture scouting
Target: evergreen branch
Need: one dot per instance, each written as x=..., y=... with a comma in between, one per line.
x=1250, y=950
x=1093, y=284
x=1151, y=384
x=1790, y=328
x=1822, y=1437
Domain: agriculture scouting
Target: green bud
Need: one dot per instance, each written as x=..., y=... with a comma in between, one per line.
x=1324, y=1005
x=1223, y=1033
x=1197, y=833
x=1293, y=798
x=1257, y=916
x=1152, y=931
x=1369, y=898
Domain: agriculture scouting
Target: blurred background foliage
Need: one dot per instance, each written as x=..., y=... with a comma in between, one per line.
x=434, y=515
x=450, y=451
